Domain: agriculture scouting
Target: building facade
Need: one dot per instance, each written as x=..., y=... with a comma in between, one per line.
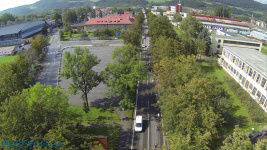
x=219, y=41
x=110, y=21
x=14, y=33
x=248, y=68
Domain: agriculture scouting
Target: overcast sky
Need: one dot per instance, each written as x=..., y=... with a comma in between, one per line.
x=5, y=4
x=262, y=1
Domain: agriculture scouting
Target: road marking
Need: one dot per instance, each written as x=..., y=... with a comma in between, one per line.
x=148, y=126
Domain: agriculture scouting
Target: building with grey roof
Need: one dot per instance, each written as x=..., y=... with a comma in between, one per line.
x=249, y=68
x=14, y=33
x=219, y=41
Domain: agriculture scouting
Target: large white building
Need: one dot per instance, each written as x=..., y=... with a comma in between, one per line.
x=259, y=35
x=219, y=41
x=249, y=68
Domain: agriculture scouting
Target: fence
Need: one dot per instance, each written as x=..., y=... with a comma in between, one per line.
x=92, y=38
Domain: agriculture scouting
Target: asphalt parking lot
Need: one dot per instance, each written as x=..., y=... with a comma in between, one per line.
x=96, y=97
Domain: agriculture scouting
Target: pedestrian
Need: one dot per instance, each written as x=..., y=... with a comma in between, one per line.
x=158, y=115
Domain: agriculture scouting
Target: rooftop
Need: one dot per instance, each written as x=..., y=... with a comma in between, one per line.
x=253, y=58
x=239, y=38
x=15, y=28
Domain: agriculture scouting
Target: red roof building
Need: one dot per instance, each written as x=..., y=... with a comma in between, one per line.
x=110, y=21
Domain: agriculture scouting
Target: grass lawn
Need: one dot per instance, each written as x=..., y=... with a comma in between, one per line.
x=90, y=34
x=264, y=51
x=7, y=59
x=240, y=111
x=96, y=115
x=112, y=132
x=177, y=31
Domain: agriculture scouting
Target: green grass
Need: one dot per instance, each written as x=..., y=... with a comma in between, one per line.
x=91, y=34
x=96, y=115
x=112, y=132
x=264, y=51
x=178, y=31
x=7, y=59
x=240, y=111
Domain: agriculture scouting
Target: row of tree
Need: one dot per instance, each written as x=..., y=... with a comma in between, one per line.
x=123, y=74
x=194, y=107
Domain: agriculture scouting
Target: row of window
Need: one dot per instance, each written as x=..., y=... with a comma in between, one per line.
x=249, y=86
x=241, y=43
x=247, y=69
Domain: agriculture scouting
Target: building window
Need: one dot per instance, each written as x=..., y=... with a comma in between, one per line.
x=259, y=94
x=263, y=82
x=246, y=85
x=243, y=81
x=251, y=87
x=254, y=75
x=258, y=78
x=219, y=41
x=250, y=72
x=254, y=91
x=262, y=100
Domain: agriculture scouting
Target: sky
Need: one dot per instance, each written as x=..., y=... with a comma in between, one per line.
x=5, y=4
x=262, y=1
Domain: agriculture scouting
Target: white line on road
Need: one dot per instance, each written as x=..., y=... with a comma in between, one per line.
x=135, y=113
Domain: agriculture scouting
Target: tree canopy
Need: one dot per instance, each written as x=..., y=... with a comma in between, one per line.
x=78, y=67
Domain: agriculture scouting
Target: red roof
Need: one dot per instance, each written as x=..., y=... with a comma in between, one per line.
x=221, y=20
x=111, y=19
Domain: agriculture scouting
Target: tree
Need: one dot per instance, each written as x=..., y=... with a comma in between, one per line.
x=7, y=17
x=44, y=28
x=123, y=74
x=177, y=17
x=239, y=140
x=78, y=67
x=80, y=14
x=92, y=14
x=61, y=35
x=192, y=26
x=205, y=34
x=100, y=14
x=39, y=43
x=69, y=16
x=33, y=112
x=223, y=11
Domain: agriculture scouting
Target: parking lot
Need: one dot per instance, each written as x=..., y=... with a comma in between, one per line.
x=96, y=96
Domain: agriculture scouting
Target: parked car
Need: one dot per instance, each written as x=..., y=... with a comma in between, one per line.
x=138, y=124
x=143, y=45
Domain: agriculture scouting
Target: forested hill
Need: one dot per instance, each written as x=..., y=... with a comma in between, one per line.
x=46, y=5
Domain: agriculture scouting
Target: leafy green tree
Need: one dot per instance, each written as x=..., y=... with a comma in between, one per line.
x=7, y=17
x=205, y=35
x=78, y=67
x=39, y=43
x=192, y=26
x=177, y=17
x=123, y=74
x=44, y=28
x=33, y=112
x=100, y=14
x=80, y=14
x=61, y=35
x=261, y=144
x=92, y=14
x=223, y=11
x=239, y=140
x=69, y=17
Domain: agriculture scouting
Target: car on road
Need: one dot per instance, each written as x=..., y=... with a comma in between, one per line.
x=138, y=124
x=143, y=45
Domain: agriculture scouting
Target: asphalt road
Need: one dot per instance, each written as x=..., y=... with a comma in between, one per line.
x=147, y=107
x=49, y=65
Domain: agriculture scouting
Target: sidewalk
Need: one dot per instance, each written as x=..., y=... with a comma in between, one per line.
x=125, y=132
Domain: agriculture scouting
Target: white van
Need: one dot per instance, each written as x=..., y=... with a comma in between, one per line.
x=138, y=123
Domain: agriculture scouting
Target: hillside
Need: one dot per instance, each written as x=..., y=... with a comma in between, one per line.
x=245, y=7
x=46, y=5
